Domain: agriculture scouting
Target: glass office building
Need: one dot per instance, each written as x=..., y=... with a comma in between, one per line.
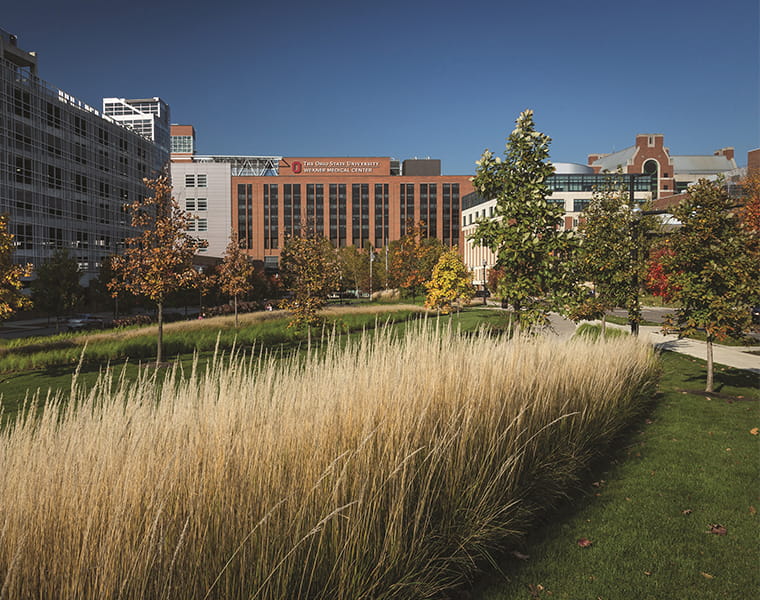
x=66, y=169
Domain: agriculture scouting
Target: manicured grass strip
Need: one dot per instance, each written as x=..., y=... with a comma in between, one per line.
x=691, y=464
x=271, y=336
x=139, y=343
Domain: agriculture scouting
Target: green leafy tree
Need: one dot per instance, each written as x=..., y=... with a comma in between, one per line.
x=11, y=298
x=412, y=259
x=526, y=234
x=235, y=274
x=613, y=251
x=716, y=274
x=56, y=289
x=158, y=261
x=451, y=283
x=354, y=268
x=309, y=269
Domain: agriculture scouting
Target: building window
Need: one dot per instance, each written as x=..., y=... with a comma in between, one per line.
x=24, y=236
x=23, y=170
x=381, y=214
x=53, y=115
x=80, y=126
x=200, y=180
x=271, y=216
x=22, y=103
x=201, y=204
x=407, y=206
x=245, y=215
x=202, y=224
x=182, y=144
x=580, y=205
x=189, y=180
x=80, y=183
x=55, y=177
x=190, y=204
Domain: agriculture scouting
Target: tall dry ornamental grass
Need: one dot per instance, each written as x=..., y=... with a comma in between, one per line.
x=382, y=470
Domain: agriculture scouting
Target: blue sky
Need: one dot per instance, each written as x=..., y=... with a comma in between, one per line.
x=416, y=78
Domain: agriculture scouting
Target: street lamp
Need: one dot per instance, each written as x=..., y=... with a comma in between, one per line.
x=485, y=265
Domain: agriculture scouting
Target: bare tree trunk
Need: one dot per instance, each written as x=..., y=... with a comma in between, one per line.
x=236, y=312
x=160, y=344
x=710, y=370
x=604, y=324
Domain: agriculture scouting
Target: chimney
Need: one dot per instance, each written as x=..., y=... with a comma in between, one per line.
x=727, y=152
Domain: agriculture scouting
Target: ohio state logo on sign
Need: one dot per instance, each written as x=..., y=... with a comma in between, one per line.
x=296, y=166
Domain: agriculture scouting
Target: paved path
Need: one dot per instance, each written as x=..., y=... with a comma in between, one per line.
x=739, y=357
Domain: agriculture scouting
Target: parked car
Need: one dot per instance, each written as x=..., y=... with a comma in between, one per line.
x=84, y=322
x=756, y=315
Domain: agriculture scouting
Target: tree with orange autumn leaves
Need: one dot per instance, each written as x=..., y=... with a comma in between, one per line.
x=412, y=259
x=159, y=260
x=234, y=274
x=11, y=298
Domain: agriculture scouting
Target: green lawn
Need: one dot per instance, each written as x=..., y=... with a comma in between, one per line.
x=648, y=511
x=273, y=337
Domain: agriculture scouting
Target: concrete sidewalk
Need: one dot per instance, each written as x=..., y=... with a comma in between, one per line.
x=738, y=357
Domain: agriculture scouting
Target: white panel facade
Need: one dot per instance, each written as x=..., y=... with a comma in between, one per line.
x=203, y=191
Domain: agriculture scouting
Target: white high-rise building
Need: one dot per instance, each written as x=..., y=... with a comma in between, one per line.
x=147, y=116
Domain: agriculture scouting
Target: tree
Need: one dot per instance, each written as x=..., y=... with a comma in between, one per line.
x=657, y=281
x=413, y=258
x=56, y=289
x=451, y=282
x=613, y=248
x=159, y=260
x=235, y=273
x=354, y=268
x=715, y=272
x=526, y=234
x=309, y=269
x=11, y=298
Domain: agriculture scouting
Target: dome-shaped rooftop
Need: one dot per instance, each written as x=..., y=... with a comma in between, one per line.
x=563, y=168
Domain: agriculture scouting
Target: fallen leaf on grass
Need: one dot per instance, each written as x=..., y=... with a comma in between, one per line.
x=717, y=529
x=584, y=542
x=706, y=575
x=755, y=431
x=688, y=511
x=752, y=510
x=519, y=555
x=648, y=573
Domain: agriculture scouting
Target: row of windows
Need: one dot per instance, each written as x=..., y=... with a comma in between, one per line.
x=288, y=207
x=182, y=144
x=196, y=180
x=197, y=224
x=196, y=204
x=588, y=183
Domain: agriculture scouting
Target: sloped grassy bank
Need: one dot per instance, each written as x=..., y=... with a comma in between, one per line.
x=383, y=469
x=261, y=328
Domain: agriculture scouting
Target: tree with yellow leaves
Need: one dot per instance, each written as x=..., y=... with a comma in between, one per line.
x=310, y=271
x=451, y=282
x=159, y=260
x=11, y=298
